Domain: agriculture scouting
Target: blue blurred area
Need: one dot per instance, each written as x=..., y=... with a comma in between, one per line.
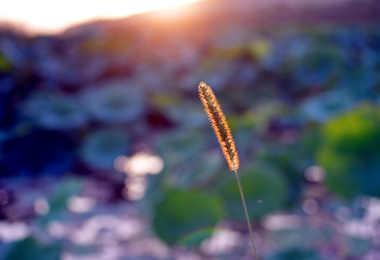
x=38, y=152
x=103, y=136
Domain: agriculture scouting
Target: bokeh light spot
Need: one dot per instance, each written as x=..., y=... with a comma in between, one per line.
x=310, y=206
x=315, y=174
x=140, y=164
x=81, y=204
x=41, y=206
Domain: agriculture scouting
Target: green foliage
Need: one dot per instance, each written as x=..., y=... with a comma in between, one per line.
x=294, y=253
x=357, y=247
x=186, y=217
x=58, y=202
x=318, y=66
x=179, y=146
x=30, y=249
x=349, y=152
x=4, y=63
x=102, y=147
x=318, y=58
x=200, y=171
x=264, y=191
x=285, y=160
x=292, y=159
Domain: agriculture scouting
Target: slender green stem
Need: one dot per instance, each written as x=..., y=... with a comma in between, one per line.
x=246, y=212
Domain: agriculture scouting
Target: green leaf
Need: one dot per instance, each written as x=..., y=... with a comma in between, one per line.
x=58, y=201
x=349, y=152
x=200, y=170
x=264, y=190
x=186, y=217
x=179, y=146
x=30, y=249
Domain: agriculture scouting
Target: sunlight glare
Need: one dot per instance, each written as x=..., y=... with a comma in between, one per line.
x=139, y=164
x=52, y=16
x=136, y=168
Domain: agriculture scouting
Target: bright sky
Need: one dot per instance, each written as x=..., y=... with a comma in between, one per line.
x=51, y=16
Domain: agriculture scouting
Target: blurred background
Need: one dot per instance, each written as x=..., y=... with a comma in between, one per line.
x=106, y=152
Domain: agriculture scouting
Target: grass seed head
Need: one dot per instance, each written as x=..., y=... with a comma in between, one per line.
x=220, y=125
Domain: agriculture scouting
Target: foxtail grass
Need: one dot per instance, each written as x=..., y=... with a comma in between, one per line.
x=224, y=136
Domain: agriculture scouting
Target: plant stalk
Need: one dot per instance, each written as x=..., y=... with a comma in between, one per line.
x=246, y=212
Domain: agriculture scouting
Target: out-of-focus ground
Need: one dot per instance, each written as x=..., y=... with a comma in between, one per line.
x=106, y=152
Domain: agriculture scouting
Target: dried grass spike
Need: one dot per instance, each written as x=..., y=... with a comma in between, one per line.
x=220, y=125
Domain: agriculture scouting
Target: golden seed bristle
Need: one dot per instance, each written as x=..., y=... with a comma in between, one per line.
x=220, y=125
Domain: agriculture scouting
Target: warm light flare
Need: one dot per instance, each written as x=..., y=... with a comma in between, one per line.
x=139, y=164
x=136, y=168
x=52, y=16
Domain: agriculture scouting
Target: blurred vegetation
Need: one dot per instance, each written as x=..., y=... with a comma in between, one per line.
x=302, y=101
x=182, y=213
x=264, y=191
x=29, y=248
x=349, y=152
x=295, y=254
